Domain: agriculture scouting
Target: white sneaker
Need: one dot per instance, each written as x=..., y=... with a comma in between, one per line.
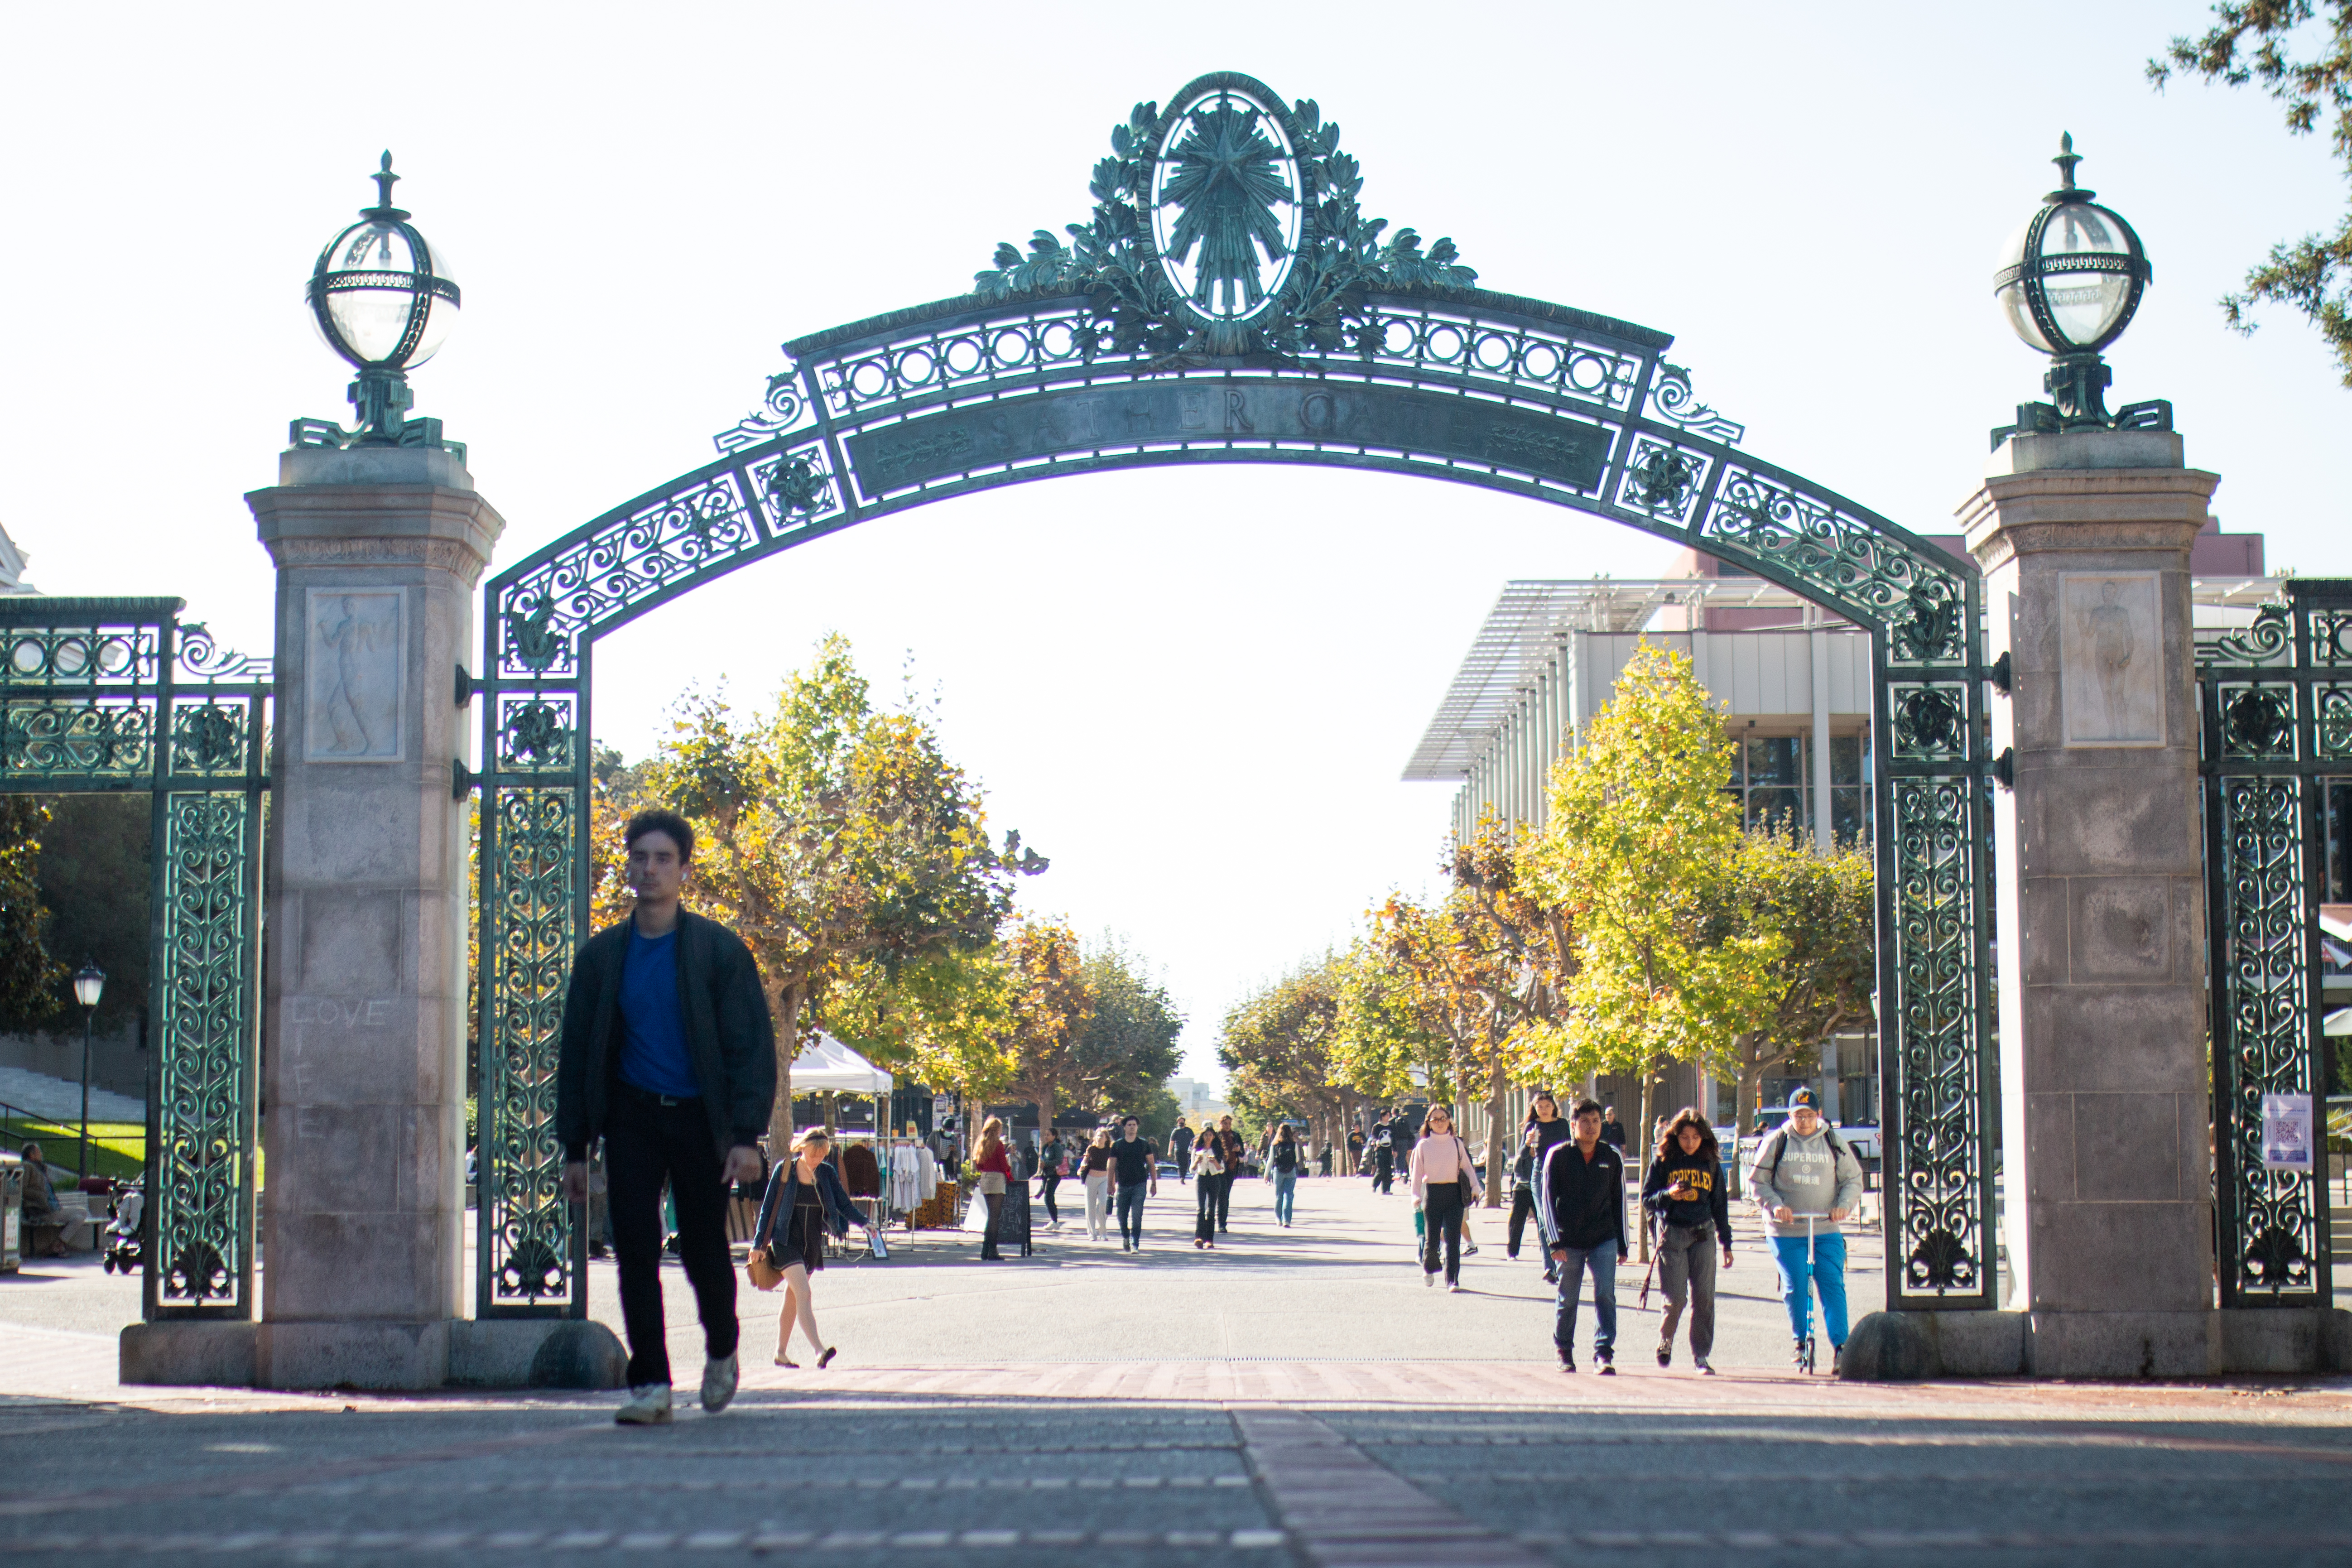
x=1429, y=1279
x=1455, y=1289
x=648, y=1405
x=718, y=1382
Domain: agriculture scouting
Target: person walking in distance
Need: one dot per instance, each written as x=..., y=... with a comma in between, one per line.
x=805, y=1200
x=1612, y=1132
x=1051, y=1158
x=1808, y=1181
x=1096, y=1171
x=1231, y=1153
x=1180, y=1148
x=993, y=1170
x=1209, y=1167
x=1133, y=1170
x=1445, y=1183
x=1581, y=1208
x=1285, y=1161
x=668, y=1053
x=1384, y=1161
x=1684, y=1195
x=1545, y=1127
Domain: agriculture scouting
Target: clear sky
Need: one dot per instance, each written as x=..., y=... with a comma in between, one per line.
x=1194, y=691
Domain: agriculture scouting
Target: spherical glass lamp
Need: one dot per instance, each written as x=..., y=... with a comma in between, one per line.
x=2069, y=282
x=385, y=298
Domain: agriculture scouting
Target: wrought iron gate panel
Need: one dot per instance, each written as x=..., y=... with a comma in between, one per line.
x=2273, y=708
x=118, y=696
x=1375, y=354
x=532, y=849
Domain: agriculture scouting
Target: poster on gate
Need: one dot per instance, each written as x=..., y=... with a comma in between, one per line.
x=2286, y=1132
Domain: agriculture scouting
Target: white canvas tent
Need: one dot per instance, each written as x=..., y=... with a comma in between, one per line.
x=827, y=1064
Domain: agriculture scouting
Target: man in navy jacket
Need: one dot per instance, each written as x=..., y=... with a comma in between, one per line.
x=1581, y=1206
x=668, y=1053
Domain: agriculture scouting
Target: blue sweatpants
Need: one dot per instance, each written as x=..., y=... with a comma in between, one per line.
x=1824, y=1272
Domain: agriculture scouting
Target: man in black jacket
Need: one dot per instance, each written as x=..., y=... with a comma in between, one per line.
x=668, y=1054
x=1580, y=1204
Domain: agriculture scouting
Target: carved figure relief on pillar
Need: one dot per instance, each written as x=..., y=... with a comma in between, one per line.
x=355, y=664
x=2111, y=658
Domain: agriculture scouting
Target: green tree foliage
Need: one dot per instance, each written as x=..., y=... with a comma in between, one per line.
x=830, y=834
x=1642, y=835
x=945, y=1020
x=1382, y=1034
x=2254, y=42
x=1052, y=1005
x=94, y=880
x=31, y=981
x=1126, y=1048
x=1278, y=1047
x=1822, y=907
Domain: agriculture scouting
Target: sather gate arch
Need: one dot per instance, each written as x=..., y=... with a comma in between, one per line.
x=1226, y=302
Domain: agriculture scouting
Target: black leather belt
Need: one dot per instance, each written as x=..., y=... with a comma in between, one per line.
x=647, y=1097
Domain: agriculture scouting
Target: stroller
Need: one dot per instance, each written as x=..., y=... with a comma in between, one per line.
x=125, y=1253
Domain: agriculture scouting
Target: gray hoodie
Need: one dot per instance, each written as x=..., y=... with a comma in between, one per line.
x=1807, y=1176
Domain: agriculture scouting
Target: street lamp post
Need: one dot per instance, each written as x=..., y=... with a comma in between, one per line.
x=88, y=986
x=2069, y=282
x=382, y=296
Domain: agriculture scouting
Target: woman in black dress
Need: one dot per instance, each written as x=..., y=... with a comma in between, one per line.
x=805, y=1199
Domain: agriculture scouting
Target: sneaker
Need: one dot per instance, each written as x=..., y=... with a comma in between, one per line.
x=719, y=1376
x=1471, y=1251
x=1837, y=1359
x=1566, y=1361
x=1429, y=1279
x=648, y=1405
x=1803, y=1353
x=1551, y=1276
x=1665, y=1354
x=1607, y=1368
x=1704, y=1370
x=1456, y=1287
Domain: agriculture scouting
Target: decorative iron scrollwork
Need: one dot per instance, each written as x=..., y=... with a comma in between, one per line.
x=1937, y=1043
x=202, y=658
x=209, y=739
x=2266, y=640
x=532, y=640
x=1671, y=398
x=535, y=734
x=1930, y=721
x=2258, y=722
x=530, y=847
x=1663, y=481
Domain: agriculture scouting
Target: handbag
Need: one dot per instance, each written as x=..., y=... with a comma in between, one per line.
x=765, y=1275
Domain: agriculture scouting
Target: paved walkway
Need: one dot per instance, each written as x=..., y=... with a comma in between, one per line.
x=1297, y=1398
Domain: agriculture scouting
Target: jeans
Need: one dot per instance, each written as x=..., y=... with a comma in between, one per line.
x=1825, y=1272
x=1381, y=1176
x=1602, y=1259
x=1204, y=1207
x=1224, y=1186
x=1285, y=1195
x=1686, y=1268
x=1130, y=1212
x=1441, y=1210
x=1049, y=1181
x=645, y=1142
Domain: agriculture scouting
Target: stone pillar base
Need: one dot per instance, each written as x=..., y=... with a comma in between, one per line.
x=183, y=1353
x=537, y=1353
x=1903, y=1347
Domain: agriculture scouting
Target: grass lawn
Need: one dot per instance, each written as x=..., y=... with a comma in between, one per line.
x=116, y=1148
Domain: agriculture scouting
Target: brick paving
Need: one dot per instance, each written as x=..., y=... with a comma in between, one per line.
x=1299, y=1399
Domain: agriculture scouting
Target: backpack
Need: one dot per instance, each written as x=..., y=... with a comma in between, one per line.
x=1779, y=1141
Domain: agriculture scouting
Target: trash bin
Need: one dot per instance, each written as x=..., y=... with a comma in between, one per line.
x=12, y=1212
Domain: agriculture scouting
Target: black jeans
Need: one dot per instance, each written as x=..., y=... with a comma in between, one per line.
x=1224, y=1198
x=644, y=1143
x=1050, y=1180
x=1441, y=1215
x=1523, y=1204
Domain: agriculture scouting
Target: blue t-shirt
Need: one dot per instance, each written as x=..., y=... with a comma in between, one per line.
x=652, y=1050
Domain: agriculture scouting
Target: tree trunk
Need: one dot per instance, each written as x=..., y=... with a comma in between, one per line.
x=780, y=1114
x=1495, y=1146
x=1640, y=1140
x=1751, y=1085
x=1045, y=1115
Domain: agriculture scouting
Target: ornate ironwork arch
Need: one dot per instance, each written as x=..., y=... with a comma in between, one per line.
x=1300, y=336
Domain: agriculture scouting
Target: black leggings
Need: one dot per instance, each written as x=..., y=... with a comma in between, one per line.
x=1050, y=1180
x=1441, y=1213
x=1523, y=1204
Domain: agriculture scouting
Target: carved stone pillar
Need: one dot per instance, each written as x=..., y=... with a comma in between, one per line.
x=2084, y=541
x=378, y=551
